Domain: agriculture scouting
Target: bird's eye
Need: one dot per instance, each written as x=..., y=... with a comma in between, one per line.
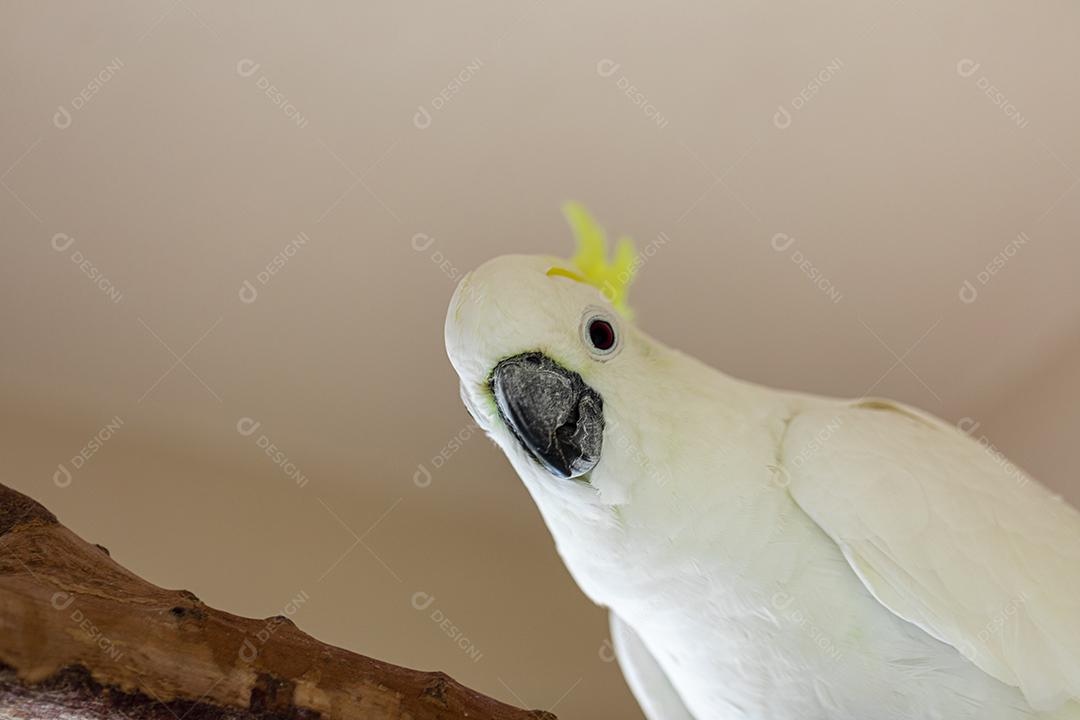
x=601, y=334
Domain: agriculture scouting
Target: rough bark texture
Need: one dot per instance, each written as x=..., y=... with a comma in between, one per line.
x=82, y=637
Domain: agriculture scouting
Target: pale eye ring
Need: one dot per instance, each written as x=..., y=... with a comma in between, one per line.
x=599, y=333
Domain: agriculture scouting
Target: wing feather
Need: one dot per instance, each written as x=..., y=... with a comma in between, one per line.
x=654, y=692
x=949, y=535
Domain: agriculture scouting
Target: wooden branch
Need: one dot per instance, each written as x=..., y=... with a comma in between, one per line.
x=82, y=637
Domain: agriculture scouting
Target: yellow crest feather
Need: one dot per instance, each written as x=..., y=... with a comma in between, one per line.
x=612, y=278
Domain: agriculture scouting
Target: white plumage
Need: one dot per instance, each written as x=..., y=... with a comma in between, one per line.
x=951, y=537
x=769, y=554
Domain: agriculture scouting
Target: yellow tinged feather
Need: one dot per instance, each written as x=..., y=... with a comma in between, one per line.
x=612, y=278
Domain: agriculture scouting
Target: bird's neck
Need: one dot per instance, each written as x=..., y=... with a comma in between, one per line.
x=692, y=463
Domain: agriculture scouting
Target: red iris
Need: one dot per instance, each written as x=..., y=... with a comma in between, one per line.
x=601, y=334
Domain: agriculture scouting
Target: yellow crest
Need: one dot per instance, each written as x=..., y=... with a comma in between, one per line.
x=612, y=278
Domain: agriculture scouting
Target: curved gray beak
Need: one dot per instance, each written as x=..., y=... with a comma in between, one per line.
x=552, y=412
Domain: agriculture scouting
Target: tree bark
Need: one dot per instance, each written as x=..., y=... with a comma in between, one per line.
x=82, y=637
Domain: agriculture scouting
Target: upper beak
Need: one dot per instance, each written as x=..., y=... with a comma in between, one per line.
x=552, y=412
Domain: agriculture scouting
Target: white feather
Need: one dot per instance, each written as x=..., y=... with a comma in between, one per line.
x=652, y=688
x=785, y=556
x=950, y=536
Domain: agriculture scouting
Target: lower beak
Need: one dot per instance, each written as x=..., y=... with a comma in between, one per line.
x=552, y=412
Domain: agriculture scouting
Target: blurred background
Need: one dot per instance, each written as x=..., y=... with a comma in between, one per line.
x=230, y=234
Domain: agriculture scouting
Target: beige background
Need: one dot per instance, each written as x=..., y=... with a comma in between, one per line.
x=179, y=179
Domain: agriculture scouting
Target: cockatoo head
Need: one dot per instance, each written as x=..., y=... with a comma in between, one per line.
x=546, y=353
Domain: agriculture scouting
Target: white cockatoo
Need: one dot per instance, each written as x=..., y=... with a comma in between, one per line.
x=766, y=554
